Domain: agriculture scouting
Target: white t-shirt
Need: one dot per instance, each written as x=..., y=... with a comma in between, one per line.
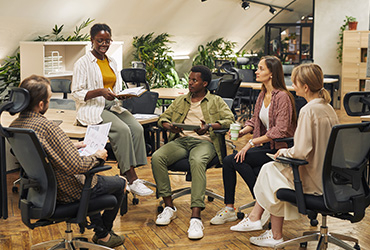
x=264, y=115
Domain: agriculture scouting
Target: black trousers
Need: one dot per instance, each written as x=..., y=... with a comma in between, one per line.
x=115, y=185
x=248, y=169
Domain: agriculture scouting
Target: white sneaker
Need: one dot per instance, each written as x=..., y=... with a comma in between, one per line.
x=166, y=216
x=224, y=215
x=265, y=240
x=195, y=231
x=137, y=187
x=246, y=225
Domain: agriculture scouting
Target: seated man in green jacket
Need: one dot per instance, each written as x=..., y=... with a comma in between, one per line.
x=199, y=146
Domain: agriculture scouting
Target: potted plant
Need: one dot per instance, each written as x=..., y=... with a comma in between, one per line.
x=349, y=20
x=352, y=22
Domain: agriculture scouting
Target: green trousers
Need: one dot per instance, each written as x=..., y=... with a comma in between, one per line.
x=126, y=136
x=200, y=153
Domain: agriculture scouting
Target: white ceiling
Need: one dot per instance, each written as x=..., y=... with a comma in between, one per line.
x=190, y=22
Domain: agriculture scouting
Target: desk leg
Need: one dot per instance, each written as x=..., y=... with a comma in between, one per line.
x=3, y=194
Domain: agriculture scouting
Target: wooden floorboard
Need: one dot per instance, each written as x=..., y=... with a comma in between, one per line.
x=139, y=228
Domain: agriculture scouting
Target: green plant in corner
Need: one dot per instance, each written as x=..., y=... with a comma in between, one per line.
x=9, y=75
x=155, y=52
x=216, y=49
x=346, y=21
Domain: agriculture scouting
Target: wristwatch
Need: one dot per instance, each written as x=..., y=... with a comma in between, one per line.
x=251, y=142
x=210, y=128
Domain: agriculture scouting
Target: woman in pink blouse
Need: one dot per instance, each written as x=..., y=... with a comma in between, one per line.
x=315, y=122
x=274, y=117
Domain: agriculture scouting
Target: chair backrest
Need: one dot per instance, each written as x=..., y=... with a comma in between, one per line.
x=227, y=88
x=144, y=104
x=246, y=75
x=213, y=85
x=68, y=104
x=346, y=188
x=39, y=174
x=135, y=76
x=357, y=103
x=61, y=86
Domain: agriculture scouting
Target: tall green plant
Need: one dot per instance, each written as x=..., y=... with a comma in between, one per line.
x=155, y=52
x=216, y=49
x=346, y=21
x=9, y=74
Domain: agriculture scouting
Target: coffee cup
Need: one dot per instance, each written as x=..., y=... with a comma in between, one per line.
x=234, y=131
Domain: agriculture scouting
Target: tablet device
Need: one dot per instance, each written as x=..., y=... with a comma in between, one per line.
x=186, y=126
x=271, y=156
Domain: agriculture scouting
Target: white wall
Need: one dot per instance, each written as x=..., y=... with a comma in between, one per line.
x=329, y=16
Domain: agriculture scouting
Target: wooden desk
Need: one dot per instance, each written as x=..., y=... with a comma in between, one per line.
x=169, y=93
x=68, y=117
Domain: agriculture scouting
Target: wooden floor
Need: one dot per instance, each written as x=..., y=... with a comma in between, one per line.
x=139, y=228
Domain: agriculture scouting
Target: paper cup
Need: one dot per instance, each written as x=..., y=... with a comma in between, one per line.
x=234, y=131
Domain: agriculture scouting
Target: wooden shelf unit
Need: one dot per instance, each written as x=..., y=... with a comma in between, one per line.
x=355, y=45
x=33, y=56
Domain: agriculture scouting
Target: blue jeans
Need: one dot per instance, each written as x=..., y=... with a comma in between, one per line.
x=114, y=185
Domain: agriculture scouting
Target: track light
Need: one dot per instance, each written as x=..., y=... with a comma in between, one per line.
x=245, y=5
x=203, y=0
x=272, y=10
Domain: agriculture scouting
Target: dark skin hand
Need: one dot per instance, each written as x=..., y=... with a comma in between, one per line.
x=203, y=128
x=171, y=127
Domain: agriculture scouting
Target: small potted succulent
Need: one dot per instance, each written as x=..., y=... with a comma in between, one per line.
x=352, y=22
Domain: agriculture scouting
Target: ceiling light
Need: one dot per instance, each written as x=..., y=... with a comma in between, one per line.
x=272, y=10
x=203, y=0
x=245, y=5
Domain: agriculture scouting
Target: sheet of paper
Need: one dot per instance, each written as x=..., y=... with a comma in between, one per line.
x=96, y=138
x=144, y=116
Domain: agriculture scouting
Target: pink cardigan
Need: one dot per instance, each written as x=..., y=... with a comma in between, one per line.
x=280, y=118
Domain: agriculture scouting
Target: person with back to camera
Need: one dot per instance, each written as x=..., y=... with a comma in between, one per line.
x=95, y=85
x=67, y=163
x=315, y=122
x=274, y=117
x=211, y=112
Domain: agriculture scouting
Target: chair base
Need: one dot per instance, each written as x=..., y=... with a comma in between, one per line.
x=323, y=237
x=184, y=191
x=240, y=214
x=69, y=243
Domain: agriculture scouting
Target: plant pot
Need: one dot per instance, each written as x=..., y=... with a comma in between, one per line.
x=352, y=25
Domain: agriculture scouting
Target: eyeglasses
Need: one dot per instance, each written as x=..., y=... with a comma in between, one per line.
x=101, y=42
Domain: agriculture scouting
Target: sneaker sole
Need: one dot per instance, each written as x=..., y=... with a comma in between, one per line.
x=224, y=221
x=165, y=224
x=195, y=238
x=246, y=230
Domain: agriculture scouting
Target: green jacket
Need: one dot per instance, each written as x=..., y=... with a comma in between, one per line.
x=214, y=109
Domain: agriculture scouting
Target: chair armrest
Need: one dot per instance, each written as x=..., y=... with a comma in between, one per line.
x=295, y=163
x=288, y=140
x=86, y=192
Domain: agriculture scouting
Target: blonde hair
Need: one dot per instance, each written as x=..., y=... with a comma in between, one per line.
x=311, y=74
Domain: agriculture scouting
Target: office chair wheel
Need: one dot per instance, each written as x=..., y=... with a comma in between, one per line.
x=160, y=209
x=314, y=222
x=210, y=199
x=240, y=215
x=135, y=201
x=357, y=247
x=303, y=245
x=15, y=189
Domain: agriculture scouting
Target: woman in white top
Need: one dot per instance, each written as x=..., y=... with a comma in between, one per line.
x=96, y=82
x=315, y=122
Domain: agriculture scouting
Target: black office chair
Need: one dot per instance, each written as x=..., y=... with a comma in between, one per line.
x=61, y=86
x=39, y=186
x=244, y=96
x=357, y=103
x=183, y=166
x=346, y=193
x=136, y=76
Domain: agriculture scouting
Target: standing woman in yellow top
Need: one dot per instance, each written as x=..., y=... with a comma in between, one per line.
x=96, y=82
